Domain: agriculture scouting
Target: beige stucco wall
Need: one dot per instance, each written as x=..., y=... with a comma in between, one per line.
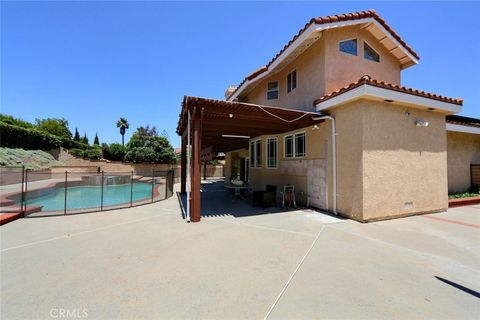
x=342, y=68
x=349, y=160
x=463, y=149
x=322, y=68
x=386, y=166
x=404, y=166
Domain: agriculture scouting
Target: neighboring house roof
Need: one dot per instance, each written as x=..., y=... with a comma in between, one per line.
x=464, y=121
x=178, y=150
x=341, y=20
x=367, y=80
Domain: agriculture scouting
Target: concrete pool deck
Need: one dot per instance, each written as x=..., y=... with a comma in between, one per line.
x=147, y=262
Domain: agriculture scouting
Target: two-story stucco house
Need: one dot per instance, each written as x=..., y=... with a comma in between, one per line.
x=328, y=114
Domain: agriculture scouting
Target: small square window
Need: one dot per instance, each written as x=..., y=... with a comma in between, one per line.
x=348, y=46
x=292, y=81
x=272, y=90
x=369, y=53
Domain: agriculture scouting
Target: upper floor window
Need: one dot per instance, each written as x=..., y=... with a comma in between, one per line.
x=272, y=90
x=292, y=81
x=369, y=53
x=295, y=145
x=348, y=46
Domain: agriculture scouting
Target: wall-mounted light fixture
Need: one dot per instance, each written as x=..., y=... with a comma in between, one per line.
x=315, y=127
x=230, y=115
x=421, y=123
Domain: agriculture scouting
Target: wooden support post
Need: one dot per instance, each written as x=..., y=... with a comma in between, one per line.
x=196, y=167
x=183, y=178
x=204, y=170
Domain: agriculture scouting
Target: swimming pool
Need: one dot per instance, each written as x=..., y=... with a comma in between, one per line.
x=85, y=197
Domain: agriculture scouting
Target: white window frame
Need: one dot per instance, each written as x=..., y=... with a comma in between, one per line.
x=374, y=49
x=278, y=90
x=296, y=80
x=294, y=145
x=276, y=153
x=348, y=54
x=253, y=157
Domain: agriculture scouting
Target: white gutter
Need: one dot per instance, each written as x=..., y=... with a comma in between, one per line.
x=334, y=158
x=189, y=178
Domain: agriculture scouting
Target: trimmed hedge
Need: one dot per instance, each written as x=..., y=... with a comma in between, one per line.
x=72, y=144
x=12, y=136
x=76, y=152
x=94, y=154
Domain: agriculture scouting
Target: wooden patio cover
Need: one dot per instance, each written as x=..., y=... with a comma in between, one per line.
x=211, y=120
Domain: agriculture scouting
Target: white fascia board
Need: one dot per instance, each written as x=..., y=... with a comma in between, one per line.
x=462, y=128
x=386, y=94
x=306, y=34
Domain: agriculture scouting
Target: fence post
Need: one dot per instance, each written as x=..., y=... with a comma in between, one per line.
x=166, y=184
x=101, y=193
x=65, y=188
x=23, y=192
x=153, y=182
x=131, y=190
x=26, y=189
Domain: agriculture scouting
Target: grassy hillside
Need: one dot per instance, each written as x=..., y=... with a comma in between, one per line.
x=31, y=159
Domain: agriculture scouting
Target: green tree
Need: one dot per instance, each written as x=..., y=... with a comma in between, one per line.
x=96, y=142
x=84, y=139
x=146, y=146
x=57, y=127
x=76, y=137
x=122, y=123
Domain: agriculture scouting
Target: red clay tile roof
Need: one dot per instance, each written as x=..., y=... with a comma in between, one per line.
x=329, y=19
x=464, y=121
x=381, y=84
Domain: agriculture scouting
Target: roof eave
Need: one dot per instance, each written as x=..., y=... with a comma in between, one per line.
x=367, y=91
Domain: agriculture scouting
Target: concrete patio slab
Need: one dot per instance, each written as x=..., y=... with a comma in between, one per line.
x=147, y=262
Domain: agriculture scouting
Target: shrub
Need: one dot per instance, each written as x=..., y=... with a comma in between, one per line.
x=15, y=121
x=116, y=152
x=94, y=154
x=105, y=150
x=76, y=152
x=19, y=137
x=140, y=155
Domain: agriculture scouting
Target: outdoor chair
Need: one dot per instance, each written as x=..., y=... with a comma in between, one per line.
x=265, y=198
x=288, y=196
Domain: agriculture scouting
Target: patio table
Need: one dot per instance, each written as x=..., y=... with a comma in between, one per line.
x=237, y=191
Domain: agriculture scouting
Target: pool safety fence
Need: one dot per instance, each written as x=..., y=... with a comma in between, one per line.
x=37, y=193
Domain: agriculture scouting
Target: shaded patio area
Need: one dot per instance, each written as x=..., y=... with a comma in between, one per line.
x=217, y=201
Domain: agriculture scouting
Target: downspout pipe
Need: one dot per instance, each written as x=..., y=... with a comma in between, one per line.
x=334, y=156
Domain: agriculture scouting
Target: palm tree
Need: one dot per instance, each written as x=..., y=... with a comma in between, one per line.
x=122, y=123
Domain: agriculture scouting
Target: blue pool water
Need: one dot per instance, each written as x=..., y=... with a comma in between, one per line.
x=83, y=197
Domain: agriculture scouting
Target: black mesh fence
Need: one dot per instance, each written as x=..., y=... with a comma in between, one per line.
x=49, y=192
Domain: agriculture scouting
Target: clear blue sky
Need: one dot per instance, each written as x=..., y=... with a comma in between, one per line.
x=94, y=62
